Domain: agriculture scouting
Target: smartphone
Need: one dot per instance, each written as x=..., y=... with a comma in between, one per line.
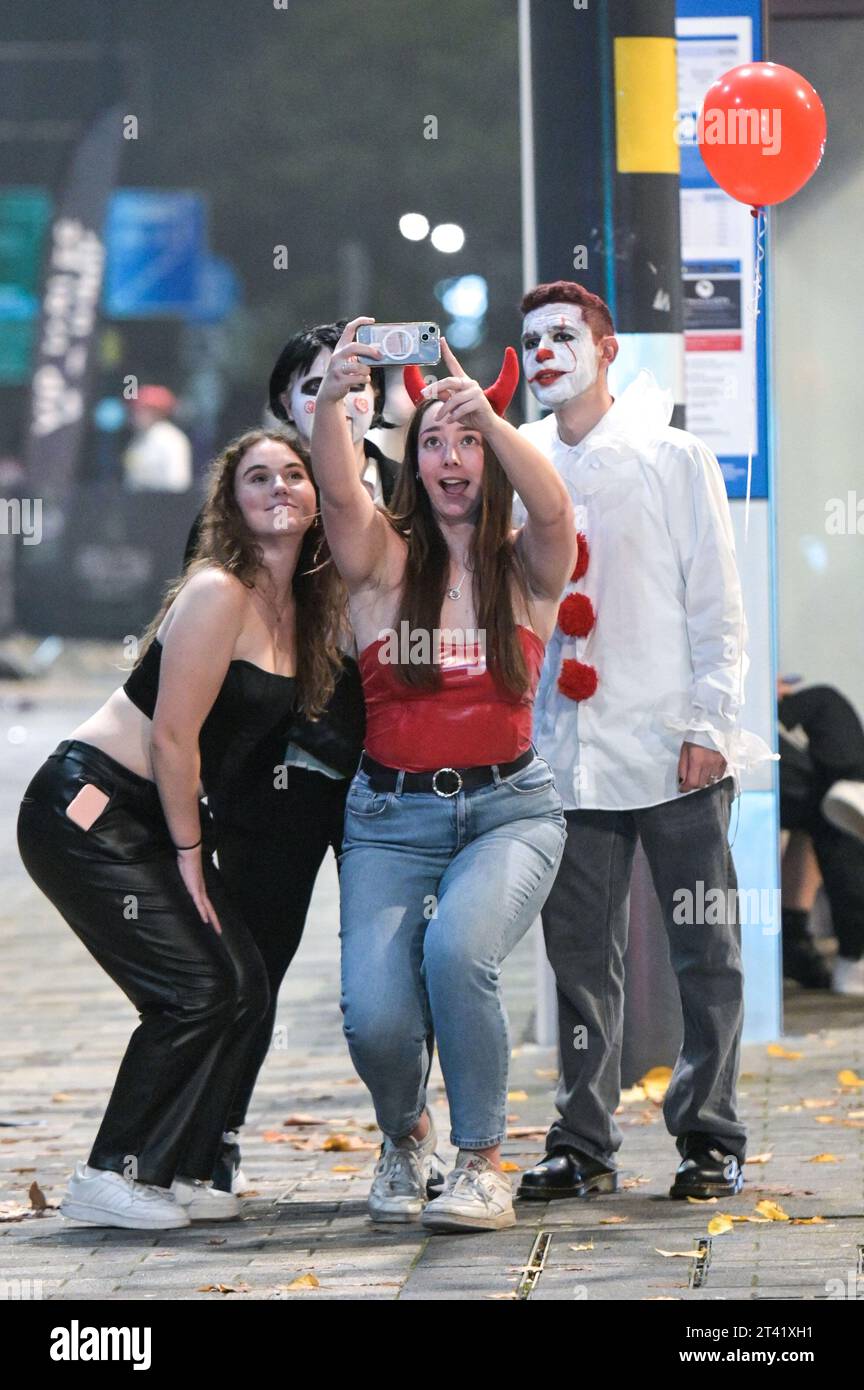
x=403, y=343
x=86, y=808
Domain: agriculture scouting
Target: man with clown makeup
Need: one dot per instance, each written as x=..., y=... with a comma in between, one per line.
x=637, y=713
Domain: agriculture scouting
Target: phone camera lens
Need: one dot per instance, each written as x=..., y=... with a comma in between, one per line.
x=425, y=337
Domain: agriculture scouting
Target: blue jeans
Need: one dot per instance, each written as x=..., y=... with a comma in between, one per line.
x=435, y=894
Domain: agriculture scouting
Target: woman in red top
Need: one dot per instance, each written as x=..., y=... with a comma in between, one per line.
x=454, y=828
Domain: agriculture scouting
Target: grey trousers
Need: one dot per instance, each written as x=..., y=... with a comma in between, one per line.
x=585, y=923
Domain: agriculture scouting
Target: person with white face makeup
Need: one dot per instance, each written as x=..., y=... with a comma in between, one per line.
x=294, y=384
x=637, y=714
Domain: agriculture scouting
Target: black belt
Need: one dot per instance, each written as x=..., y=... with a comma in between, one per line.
x=445, y=781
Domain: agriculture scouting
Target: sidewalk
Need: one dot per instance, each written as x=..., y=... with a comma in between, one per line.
x=311, y=1144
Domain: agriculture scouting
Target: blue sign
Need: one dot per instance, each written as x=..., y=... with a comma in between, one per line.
x=718, y=294
x=156, y=244
x=219, y=291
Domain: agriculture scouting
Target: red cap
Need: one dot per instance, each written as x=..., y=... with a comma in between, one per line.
x=156, y=398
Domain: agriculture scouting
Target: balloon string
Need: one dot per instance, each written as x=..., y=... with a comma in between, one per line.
x=755, y=308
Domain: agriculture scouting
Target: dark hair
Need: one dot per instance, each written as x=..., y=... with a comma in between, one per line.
x=300, y=352
x=595, y=310
x=492, y=556
x=225, y=542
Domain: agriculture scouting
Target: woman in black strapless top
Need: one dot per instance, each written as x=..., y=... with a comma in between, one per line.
x=113, y=831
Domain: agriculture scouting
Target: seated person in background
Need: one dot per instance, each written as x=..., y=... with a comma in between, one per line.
x=822, y=793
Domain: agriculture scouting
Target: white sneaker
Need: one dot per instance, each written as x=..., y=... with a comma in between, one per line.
x=843, y=806
x=102, y=1197
x=204, y=1202
x=848, y=976
x=476, y=1197
x=406, y=1166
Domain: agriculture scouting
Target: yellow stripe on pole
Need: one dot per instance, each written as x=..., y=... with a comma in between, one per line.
x=646, y=102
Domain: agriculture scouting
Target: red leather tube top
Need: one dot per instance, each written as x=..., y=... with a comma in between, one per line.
x=469, y=721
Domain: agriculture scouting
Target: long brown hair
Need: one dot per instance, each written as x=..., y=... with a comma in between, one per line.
x=492, y=556
x=225, y=541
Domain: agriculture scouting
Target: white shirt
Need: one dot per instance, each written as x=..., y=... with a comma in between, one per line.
x=371, y=478
x=159, y=459
x=669, y=631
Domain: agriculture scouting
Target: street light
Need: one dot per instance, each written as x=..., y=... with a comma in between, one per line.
x=448, y=237
x=414, y=226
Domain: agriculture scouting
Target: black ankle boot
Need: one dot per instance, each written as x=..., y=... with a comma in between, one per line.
x=566, y=1173
x=706, y=1169
x=802, y=962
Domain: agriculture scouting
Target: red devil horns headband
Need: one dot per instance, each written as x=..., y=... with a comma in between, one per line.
x=499, y=394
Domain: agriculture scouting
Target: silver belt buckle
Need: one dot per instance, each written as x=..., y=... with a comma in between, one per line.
x=437, y=774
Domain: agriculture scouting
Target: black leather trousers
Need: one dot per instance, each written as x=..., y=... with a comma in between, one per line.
x=200, y=996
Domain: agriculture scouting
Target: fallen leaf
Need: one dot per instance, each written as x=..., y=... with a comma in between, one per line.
x=37, y=1197
x=508, y=1167
x=818, y=1103
x=847, y=1077
x=613, y=1220
x=13, y=1211
x=855, y=1114
x=526, y=1132
x=772, y=1210
x=587, y=1245
x=633, y=1094
x=62, y=1095
x=826, y=1119
x=807, y=1220
x=305, y=1281
x=345, y=1143
x=496, y=1296
x=719, y=1225
x=517, y=1095
x=760, y=1158
x=633, y=1182
x=345, y=1168
x=775, y=1050
x=275, y=1136
x=824, y=1158
x=703, y=1201
x=681, y=1254
x=216, y=1240
x=223, y=1288
x=302, y=1120
x=655, y=1083
x=547, y=1073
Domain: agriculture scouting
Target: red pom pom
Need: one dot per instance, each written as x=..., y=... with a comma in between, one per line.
x=583, y=555
x=576, y=615
x=577, y=681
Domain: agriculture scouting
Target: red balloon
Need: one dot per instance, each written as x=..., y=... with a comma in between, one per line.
x=762, y=132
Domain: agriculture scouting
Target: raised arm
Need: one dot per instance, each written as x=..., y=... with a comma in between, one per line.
x=356, y=531
x=548, y=538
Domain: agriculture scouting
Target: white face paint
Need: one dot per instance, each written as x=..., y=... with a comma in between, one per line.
x=300, y=401
x=559, y=354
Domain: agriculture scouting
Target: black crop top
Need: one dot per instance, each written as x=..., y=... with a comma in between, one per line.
x=251, y=705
